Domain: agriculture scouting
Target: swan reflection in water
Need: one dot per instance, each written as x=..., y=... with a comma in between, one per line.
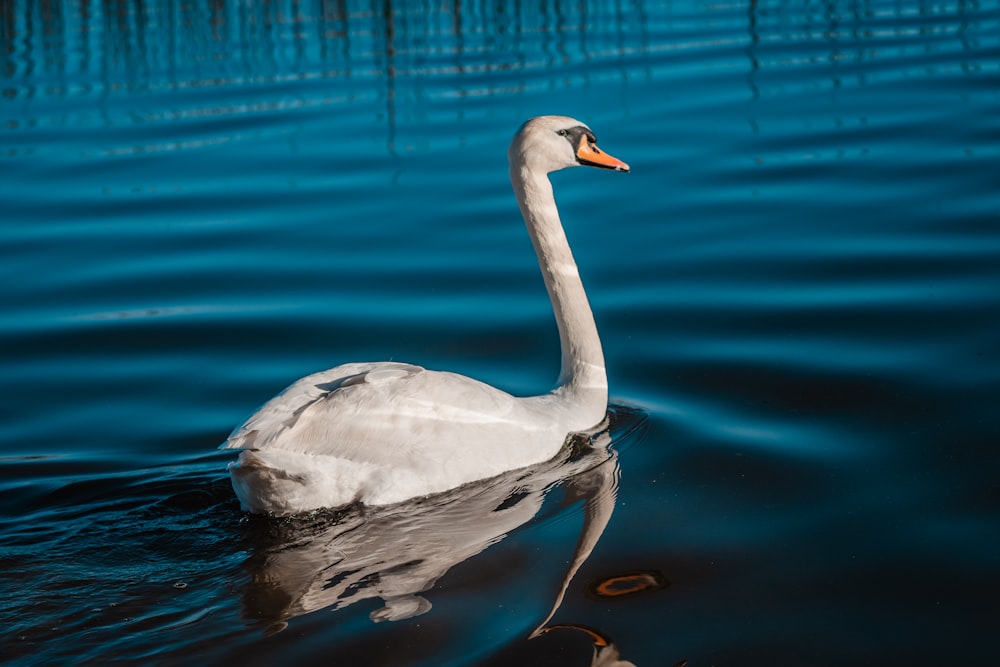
x=400, y=551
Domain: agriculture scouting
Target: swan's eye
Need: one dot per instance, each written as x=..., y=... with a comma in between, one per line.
x=563, y=133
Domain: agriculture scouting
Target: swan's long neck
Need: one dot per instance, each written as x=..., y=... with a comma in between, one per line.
x=583, y=374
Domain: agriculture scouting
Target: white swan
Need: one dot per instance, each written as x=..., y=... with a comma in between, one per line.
x=381, y=433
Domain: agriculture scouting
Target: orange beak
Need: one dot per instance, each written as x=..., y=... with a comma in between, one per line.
x=589, y=154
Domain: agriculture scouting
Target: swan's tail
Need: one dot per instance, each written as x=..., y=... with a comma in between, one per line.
x=263, y=486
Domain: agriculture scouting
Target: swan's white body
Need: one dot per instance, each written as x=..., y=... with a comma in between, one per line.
x=384, y=432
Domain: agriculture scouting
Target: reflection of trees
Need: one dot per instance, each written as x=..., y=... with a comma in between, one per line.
x=61, y=47
x=124, y=62
x=137, y=43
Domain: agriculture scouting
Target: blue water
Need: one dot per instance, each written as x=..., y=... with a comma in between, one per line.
x=797, y=287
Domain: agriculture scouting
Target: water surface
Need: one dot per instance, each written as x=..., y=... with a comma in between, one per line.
x=797, y=287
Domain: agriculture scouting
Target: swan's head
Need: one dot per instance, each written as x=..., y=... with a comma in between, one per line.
x=550, y=143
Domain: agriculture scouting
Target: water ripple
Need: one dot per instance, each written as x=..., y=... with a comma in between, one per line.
x=798, y=281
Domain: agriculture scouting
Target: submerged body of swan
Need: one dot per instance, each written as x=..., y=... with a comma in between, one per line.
x=384, y=432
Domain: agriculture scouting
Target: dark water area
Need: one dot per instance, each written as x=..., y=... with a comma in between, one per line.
x=797, y=288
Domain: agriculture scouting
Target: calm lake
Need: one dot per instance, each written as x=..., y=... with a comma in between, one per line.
x=797, y=289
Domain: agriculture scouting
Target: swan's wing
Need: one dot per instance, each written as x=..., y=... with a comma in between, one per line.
x=385, y=414
x=382, y=433
x=281, y=414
